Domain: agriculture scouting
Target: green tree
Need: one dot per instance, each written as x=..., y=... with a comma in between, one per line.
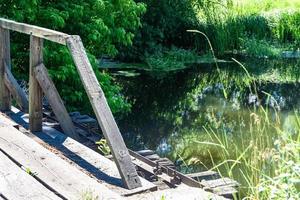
x=102, y=25
x=164, y=25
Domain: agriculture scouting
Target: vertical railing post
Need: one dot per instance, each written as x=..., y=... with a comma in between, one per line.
x=35, y=91
x=5, y=64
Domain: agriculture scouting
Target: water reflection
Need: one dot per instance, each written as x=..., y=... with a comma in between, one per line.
x=174, y=114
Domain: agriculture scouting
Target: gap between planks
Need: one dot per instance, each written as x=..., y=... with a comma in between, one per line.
x=16, y=184
x=64, y=178
x=88, y=160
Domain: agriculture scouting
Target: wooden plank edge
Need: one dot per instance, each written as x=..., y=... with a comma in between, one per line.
x=48, y=34
x=21, y=185
x=16, y=91
x=56, y=135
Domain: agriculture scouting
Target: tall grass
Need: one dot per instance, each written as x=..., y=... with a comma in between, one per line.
x=256, y=6
x=253, y=147
x=228, y=25
x=267, y=166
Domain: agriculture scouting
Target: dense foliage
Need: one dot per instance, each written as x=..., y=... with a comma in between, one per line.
x=164, y=25
x=228, y=24
x=102, y=24
x=246, y=135
x=181, y=112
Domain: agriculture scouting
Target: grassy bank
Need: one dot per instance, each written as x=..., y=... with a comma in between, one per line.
x=231, y=25
x=242, y=121
x=234, y=25
x=264, y=159
x=259, y=146
x=257, y=29
x=256, y=145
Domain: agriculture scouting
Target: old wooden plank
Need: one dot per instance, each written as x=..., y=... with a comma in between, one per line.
x=150, y=165
x=16, y=91
x=35, y=91
x=89, y=160
x=226, y=191
x=18, y=185
x=166, y=163
x=36, y=31
x=182, y=192
x=86, y=120
x=6, y=121
x=55, y=101
x=103, y=113
x=207, y=175
x=5, y=101
x=146, y=152
x=153, y=157
x=219, y=182
x=62, y=177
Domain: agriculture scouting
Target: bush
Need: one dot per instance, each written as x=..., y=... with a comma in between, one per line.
x=101, y=26
x=172, y=59
x=260, y=48
x=164, y=25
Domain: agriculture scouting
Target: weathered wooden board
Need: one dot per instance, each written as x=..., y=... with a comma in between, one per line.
x=153, y=157
x=16, y=91
x=207, y=175
x=16, y=184
x=65, y=179
x=146, y=152
x=182, y=192
x=103, y=113
x=226, y=191
x=166, y=163
x=5, y=101
x=89, y=160
x=55, y=101
x=5, y=121
x=219, y=182
x=40, y=32
x=35, y=91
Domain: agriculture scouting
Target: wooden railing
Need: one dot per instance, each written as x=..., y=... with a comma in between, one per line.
x=40, y=83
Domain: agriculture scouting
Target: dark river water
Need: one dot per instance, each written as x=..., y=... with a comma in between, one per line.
x=185, y=115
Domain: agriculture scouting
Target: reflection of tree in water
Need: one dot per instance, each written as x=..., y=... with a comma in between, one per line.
x=194, y=97
x=155, y=104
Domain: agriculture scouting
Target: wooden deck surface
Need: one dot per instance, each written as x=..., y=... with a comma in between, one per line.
x=39, y=162
x=15, y=183
x=28, y=170
x=83, y=157
x=67, y=180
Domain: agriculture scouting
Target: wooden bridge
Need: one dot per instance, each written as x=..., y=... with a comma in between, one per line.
x=44, y=156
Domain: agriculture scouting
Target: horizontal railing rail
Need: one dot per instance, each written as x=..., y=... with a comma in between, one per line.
x=44, y=33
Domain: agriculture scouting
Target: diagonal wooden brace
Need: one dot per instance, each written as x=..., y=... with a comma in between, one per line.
x=16, y=91
x=103, y=113
x=55, y=101
x=5, y=100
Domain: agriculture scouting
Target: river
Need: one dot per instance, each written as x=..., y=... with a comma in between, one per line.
x=206, y=116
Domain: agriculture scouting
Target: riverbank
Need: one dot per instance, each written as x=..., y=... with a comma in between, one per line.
x=205, y=118
x=238, y=117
